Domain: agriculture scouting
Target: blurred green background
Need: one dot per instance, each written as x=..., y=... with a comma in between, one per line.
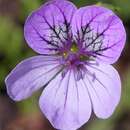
x=26, y=115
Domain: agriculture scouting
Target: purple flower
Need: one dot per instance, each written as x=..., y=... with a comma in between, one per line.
x=76, y=48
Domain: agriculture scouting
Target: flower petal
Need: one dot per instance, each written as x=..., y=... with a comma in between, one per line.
x=30, y=75
x=46, y=29
x=99, y=32
x=104, y=86
x=66, y=103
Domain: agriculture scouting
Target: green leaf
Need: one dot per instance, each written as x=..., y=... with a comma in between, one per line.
x=110, y=6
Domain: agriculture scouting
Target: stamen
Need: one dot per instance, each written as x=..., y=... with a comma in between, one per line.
x=84, y=57
x=74, y=48
x=65, y=54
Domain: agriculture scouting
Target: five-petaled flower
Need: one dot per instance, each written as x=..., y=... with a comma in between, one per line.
x=77, y=48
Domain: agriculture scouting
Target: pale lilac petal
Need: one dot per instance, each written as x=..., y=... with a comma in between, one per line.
x=66, y=103
x=104, y=86
x=30, y=75
x=99, y=31
x=48, y=28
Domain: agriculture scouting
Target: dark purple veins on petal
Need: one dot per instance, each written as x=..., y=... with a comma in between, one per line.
x=99, y=33
x=90, y=41
x=48, y=30
x=58, y=34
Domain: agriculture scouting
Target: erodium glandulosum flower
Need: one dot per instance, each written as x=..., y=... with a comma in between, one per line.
x=77, y=48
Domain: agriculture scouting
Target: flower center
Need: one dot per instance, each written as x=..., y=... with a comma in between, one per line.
x=76, y=60
x=75, y=53
x=74, y=57
x=72, y=51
